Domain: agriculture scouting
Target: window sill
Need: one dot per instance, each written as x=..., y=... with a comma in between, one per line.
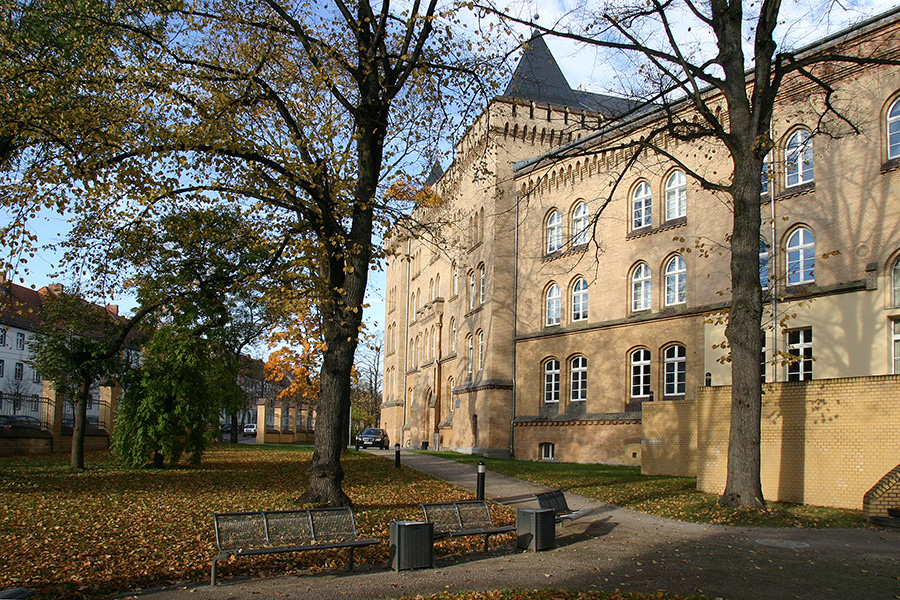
x=891, y=165
x=797, y=190
x=563, y=252
x=666, y=226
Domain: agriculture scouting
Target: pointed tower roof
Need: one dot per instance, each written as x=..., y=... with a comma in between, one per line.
x=539, y=78
x=436, y=171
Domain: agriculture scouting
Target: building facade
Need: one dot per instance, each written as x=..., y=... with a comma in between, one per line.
x=561, y=285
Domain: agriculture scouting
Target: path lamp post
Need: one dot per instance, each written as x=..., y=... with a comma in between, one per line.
x=479, y=486
x=396, y=456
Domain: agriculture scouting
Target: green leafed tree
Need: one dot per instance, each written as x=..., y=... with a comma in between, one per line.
x=78, y=345
x=171, y=402
x=299, y=115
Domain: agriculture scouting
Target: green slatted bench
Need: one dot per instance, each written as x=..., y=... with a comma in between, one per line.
x=469, y=517
x=276, y=531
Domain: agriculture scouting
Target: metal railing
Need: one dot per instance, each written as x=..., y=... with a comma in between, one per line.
x=23, y=411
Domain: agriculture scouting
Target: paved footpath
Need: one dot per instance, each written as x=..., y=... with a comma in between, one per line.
x=612, y=548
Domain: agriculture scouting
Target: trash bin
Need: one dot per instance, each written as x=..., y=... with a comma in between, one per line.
x=536, y=529
x=411, y=545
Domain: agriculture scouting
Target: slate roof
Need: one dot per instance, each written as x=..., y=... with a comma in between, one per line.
x=538, y=78
x=436, y=171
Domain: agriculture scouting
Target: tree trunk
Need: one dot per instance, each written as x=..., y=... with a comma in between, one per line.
x=743, y=487
x=234, y=429
x=78, y=426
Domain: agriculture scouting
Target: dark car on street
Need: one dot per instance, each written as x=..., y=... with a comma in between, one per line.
x=373, y=437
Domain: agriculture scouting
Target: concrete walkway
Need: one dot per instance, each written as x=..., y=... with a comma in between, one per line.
x=613, y=548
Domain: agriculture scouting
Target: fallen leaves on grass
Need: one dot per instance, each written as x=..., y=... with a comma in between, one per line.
x=110, y=529
x=550, y=594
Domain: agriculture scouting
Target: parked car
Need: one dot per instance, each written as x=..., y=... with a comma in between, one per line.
x=226, y=428
x=250, y=430
x=371, y=436
x=24, y=422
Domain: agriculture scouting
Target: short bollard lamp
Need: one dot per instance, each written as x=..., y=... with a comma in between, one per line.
x=479, y=486
x=396, y=456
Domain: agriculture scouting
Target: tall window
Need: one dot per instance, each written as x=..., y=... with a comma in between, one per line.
x=641, y=205
x=2, y=338
x=895, y=344
x=1, y=368
x=20, y=341
x=640, y=374
x=763, y=264
x=430, y=290
x=480, y=350
x=895, y=284
x=437, y=286
x=676, y=196
x=676, y=278
x=800, y=348
x=674, y=359
x=551, y=381
x=581, y=220
x=798, y=158
x=554, y=232
x=893, y=129
x=764, y=178
x=452, y=334
x=801, y=257
x=450, y=394
x=454, y=281
x=470, y=354
x=481, y=284
x=19, y=371
x=578, y=369
x=580, y=300
x=471, y=290
x=554, y=305
x=640, y=288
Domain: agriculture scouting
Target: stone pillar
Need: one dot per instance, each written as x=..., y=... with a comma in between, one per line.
x=261, y=421
x=109, y=405
x=53, y=415
x=277, y=422
x=292, y=419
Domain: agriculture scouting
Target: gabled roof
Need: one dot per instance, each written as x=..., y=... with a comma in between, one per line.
x=538, y=78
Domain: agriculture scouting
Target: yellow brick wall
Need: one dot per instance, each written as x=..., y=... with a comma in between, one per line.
x=669, y=443
x=823, y=442
x=610, y=442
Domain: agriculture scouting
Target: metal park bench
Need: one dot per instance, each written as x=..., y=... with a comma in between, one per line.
x=556, y=500
x=276, y=531
x=470, y=517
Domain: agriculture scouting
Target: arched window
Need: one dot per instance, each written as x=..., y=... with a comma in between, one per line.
x=470, y=354
x=676, y=278
x=554, y=305
x=580, y=300
x=640, y=374
x=893, y=130
x=471, y=290
x=554, y=232
x=895, y=284
x=454, y=282
x=801, y=257
x=452, y=334
x=551, y=381
x=437, y=286
x=641, y=206
x=798, y=158
x=435, y=343
x=641, y=289
x=581, y=220
x=676, y=195
x=430, y=290
x=578, y=370
x=450, y=396
x=763, y=264
x=481, y=284
x=418, y=355
x=480, y=350
x=674, y=359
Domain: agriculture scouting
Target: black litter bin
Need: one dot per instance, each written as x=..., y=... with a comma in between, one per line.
x=412, y=545
x=536, y=529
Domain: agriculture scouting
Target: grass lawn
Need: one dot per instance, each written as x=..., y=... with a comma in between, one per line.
x=672, y=497
x=110, y=529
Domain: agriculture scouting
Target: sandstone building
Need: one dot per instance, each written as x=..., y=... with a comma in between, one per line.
x=556, y=298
